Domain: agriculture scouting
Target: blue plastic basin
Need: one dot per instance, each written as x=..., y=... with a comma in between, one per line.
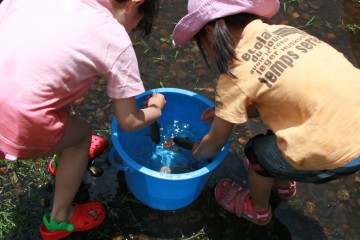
x=161, y=190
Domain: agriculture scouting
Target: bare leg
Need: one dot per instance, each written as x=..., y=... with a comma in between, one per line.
x=260, y=190
x=72, y=163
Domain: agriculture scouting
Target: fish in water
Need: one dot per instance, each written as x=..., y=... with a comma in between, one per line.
x=155, y=132
x=168, y=144
x=184, y=142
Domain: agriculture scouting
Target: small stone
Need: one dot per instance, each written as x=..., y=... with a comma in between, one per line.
x=165, y=46
x=3, y=170
x=343, y=195
x=164, y=32
x=165, y=169
x=309, y=208
x=295, y=15
x=243, y=140
x=79, y=101
x=118, y=238
x=330, y=35
x=95, y=171
x=357, y=179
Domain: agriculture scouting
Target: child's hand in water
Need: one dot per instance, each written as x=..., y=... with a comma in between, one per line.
x=195, y=151
x=208, y=115
x=200, y=157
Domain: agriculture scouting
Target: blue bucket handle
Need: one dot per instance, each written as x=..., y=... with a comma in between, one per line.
x=112, y=158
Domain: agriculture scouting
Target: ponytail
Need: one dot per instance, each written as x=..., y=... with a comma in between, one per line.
x=223, y=47
x=223, y=41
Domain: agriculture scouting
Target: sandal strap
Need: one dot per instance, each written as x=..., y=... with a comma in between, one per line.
x=53, y=163
x=239, y=203
x=233, y=191
x=55, y=226
x=286, y=192
x=288, y=189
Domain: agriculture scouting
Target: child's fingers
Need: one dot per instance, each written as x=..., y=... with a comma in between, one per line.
x=208, y=121
x=208, y=115
x=195, y=150
x=146, y=102
x=196, y=145
x=157, y=99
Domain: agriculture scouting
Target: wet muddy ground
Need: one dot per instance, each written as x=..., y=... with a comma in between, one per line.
x=328, y=211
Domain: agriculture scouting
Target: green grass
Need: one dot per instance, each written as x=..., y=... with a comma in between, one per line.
x=285, y=4
x=21, y=198
x=142, y=44
x=167, y=39
x=7, y=223
x=354, y=28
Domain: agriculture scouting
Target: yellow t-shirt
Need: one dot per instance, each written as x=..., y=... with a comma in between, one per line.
x=307, y=93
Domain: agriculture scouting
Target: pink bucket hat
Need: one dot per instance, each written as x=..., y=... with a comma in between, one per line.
x=200, y=12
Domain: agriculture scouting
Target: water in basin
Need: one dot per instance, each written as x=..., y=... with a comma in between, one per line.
x=165, y=156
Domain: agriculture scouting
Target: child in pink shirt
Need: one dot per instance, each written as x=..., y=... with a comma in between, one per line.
x=51, y=52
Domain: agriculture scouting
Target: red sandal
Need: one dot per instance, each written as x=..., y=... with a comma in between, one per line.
x=97, y=146
x=86, y=216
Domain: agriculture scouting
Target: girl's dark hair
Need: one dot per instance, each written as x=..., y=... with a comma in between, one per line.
x=223, y=40
x=150, y=9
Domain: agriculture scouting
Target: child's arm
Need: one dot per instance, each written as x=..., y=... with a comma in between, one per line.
x=213, y=141
x=208, y=115
x=130, y=118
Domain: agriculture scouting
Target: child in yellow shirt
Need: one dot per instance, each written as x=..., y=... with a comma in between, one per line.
x=306, y=92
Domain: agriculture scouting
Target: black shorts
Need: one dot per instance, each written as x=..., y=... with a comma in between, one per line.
x=267, y=160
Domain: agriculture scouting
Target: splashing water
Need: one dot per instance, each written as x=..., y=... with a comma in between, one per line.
x=164, y=157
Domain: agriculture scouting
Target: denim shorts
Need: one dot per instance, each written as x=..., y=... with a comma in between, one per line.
x=268, y=161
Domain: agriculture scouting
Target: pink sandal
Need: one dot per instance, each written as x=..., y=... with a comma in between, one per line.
x=237, y=201
x=283, y=192
x=97, y=146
